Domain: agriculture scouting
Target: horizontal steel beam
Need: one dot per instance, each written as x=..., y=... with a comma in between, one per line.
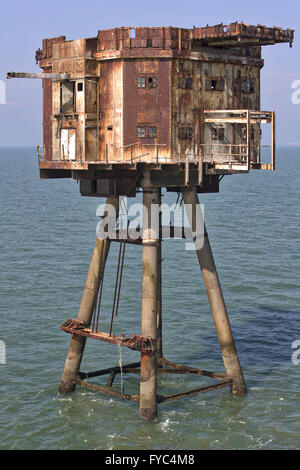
x=136, y=342
x=107, y=390
x=224, y=383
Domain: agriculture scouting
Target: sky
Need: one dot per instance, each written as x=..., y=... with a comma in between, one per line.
x=23, y=25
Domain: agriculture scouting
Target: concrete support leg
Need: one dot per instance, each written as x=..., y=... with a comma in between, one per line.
x=148, y=375
x=216, y=300
x=87, y=304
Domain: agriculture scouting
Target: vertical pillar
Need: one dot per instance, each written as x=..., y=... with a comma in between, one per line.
x=216, y=300
x=159, y=350
x=87, y=304
x=148, y=375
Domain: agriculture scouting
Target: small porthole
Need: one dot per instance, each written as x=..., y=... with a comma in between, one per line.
x=109, y=128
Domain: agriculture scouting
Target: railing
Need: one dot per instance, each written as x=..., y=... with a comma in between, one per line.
x=240, y=117
x=41, y=156
x=235, y=154
x=225, y=155
x=136, y=153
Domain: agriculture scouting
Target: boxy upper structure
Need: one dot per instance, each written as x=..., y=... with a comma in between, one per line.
x=182, y=101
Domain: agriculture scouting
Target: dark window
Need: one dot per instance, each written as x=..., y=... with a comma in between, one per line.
x=181, y=82
x=189, y=83
x=109, y=128
x=244, y=132
x=185, y=83
x=67, y=97
x=183, y=66
x=220, y=84
x=214, y=134
x=218, y=133
x=152, y=132
x=79, y=86
x=221, y=133
x=141, y=132
x=149, y=42
x=152, y=82
x=181, y=133
x=216, y=84
x=213, y=85
x=189, y=133
x=247, y=86
x=141, y=82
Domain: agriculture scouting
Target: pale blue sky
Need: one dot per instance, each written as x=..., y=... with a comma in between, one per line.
x=25, y=23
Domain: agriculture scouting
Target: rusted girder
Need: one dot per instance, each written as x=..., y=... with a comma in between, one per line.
x=107, y=390
x=241, y=34
x=117, y=369
x=224, y=383
x=136, y=342
x=43, y=76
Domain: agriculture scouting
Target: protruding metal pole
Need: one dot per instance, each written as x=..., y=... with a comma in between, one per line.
x=148, y=376
x=86, y=308
x=43, y=76
x=216, y=300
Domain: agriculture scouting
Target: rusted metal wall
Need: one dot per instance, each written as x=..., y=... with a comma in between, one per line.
x=44, y=57
x=186, y=108
x=139, y=94
x=203, y=85
x=146, y=123
x=110, y=111
x=77, y=113
x=47, y=113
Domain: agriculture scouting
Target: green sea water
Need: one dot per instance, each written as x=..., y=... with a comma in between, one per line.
x=47, y=233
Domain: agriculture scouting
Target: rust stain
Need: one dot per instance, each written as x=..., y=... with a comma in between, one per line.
x=135, y=342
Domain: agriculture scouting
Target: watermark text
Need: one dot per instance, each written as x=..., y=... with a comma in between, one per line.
x=296, y=353
x=2, y=92
x=296, y=93
x=164, y=221
x=2, y=352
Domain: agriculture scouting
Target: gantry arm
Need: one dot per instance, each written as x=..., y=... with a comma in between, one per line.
x=53, y=76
